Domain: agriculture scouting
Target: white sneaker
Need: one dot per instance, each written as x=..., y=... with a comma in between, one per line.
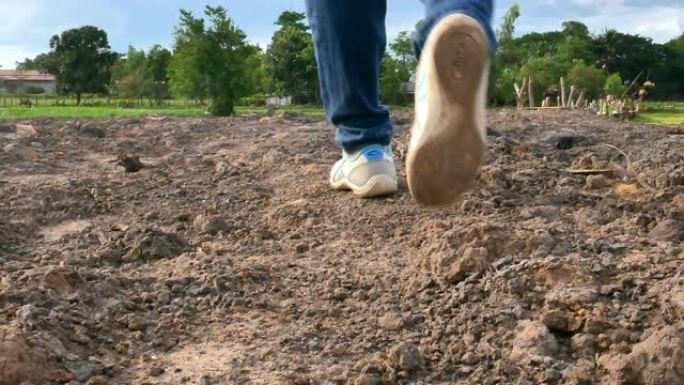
x=368, y=173
x=448, y=136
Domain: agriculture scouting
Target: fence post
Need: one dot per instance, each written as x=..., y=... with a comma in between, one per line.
x=563, y=97
x=530, y=91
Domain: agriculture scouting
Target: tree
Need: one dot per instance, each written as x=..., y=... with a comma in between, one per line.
x=139, y=75
x=128, y=74
x=587, y=78
x=533, y=45
x=258, y=80
x=44, y=62
x=507, y=51
x=82, y=61
x=546, y=71
x=157, y=63
x=396, y=69
x=402, y=48
x=290, y=59
x=505, y=57
x=577, y=42
x=157, y=72
x=673, y=82
x=210, y=60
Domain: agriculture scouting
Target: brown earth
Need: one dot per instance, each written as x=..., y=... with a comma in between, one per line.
x=211, y=251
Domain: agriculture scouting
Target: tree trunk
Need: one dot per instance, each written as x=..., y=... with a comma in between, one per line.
x=571, y=104
x=519, y=92
x=580, y=100
x=530, y=91
x=222, y=106
x=78, y=99
x=563, y=98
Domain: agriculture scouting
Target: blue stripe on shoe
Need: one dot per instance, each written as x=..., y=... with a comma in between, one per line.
x=374, y=153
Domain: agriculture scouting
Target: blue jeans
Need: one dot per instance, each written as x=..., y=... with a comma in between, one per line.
x=349, y=40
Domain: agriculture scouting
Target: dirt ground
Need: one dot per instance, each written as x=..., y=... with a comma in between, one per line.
x=225, y=258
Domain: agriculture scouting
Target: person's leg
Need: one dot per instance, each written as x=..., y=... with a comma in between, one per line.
x=448, y=136
x=349, y=40
x=435, y=10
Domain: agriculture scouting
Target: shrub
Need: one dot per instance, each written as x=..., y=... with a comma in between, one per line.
x=614, y=85
x=587, y=78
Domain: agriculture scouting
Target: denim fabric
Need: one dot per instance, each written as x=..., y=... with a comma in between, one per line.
x=349, y=40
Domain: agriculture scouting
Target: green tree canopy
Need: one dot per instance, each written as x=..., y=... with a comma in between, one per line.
x=397, y=67
x=587, y=78
x=290, y=59
x=614, y=85
x=82, y=61
x=210, y=60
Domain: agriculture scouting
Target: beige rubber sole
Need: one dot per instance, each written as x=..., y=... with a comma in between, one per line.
x=377, y=186
x=445, y=156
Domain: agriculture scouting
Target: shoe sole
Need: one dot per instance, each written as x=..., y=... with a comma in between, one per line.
x=443, y=160
x=377, y=186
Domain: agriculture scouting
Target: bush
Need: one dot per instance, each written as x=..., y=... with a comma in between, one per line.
x=614, y=85
x=587, y=78
x=546, y=72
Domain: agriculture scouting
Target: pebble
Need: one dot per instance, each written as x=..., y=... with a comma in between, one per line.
x=406, y=356
x=156, y=371
x=391, y=321
x=596, y=182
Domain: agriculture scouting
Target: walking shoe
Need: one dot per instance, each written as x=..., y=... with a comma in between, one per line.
x=448, y=135
x=368, y=173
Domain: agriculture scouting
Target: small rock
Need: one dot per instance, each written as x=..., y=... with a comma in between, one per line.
x=302, y=248
x=7, y=128
x=405, y=356
x=552, y=375
x=137, y=324
x=596, y=182
x=368, y=379
x=667, y=231
x=581, y=342
x=556, y=320
x=26, y=130
x=211, y=225
x=391, y=321
x=156, y=371
x=131, y=163
x=656, y=360
x=473, y=261
x=92, y=131
x=97, y=380
x=151, y=245
x=532, y=338
x=222, y=168
x=470, y=359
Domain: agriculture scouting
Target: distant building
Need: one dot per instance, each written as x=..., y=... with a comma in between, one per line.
x=13, y=81
x=410, y=86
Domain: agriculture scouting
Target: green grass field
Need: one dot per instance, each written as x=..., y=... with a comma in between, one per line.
x=11, y=113
x=652, y=112
x=662, y=112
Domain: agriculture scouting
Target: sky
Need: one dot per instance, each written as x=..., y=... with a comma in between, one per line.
x=27, y=25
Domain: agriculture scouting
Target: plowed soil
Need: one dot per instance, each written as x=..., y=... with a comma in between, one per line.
x=222, y=257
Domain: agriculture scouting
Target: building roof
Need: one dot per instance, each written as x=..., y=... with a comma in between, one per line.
x=26, y=76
